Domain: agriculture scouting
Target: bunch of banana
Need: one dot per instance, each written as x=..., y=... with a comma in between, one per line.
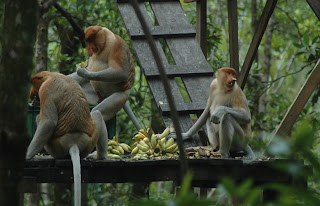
x=116, y=149
x=149, y=145
x=82, y=64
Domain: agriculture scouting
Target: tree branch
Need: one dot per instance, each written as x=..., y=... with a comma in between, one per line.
x=74, y=25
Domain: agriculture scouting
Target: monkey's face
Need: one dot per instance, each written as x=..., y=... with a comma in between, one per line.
x=90, y=37
x=227, y=77
x=36, y=82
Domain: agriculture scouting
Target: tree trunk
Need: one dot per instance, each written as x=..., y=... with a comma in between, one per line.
x=42, y=39
x=20, y=21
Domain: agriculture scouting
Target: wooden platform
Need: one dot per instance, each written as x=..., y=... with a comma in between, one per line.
x=206, y=172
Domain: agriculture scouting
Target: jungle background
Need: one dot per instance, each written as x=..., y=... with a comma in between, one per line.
x=288, y=52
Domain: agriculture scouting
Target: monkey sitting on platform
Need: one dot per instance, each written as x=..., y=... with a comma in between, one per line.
x=227, y=116
x=65, y=126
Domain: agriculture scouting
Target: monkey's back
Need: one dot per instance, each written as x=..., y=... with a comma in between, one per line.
x=72, y=107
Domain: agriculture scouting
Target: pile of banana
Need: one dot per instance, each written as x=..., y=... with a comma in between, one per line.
x=148, y=145
x=116, y=149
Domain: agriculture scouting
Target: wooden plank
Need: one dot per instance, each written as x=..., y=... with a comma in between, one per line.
x=176, y=26
x=198, y=89
x=201, y=27
x=263, y=22
x=185, y=53
x=233, y=34
x=315, y=6
x=125, y=170
x=301, y=99
x=128, y=1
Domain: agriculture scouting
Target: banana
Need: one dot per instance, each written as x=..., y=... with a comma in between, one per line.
x=153, y=141
x=144, y=143
x=115, y=156
x=142, y=131
x=169, y=142
x=115, y=139
x=135, y=151
x=138, y=136
x=125, y=147
x=142, y=147
x=109, y=148
x=165, y=133
x=83, y=64
x=112, y=142
x=162, y=144
x=171, y=148
x=114, y=151
x=146, y=140
x=134, y=145
x=120, y=150
x=149, y=132
x=176, y=150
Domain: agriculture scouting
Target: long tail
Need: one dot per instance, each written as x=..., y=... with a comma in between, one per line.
x=133, y=118
x=75, y=157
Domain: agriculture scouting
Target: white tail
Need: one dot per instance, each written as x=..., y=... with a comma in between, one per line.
x=75, y=157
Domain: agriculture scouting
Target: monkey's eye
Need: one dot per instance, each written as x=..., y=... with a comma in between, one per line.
x=38, y=78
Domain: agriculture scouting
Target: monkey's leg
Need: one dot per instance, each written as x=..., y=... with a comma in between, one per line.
x=101, y=135
x=212, y=134
x=112, y=104
x=226, y=134
x=231, y=136
x=43, y=133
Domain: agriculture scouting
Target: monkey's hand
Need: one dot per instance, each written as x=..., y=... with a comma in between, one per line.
x=218, y=114
x=83, y=72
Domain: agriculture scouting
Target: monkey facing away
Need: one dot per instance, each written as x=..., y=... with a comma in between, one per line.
x=65, y=126
x=227, y=115
x=110, y=73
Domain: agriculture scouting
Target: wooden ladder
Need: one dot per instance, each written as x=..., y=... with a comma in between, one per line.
x=186, y=65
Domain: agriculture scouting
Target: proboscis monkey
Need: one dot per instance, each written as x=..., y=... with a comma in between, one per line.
x=227, y=115
x=65, y=126
x=110, y=72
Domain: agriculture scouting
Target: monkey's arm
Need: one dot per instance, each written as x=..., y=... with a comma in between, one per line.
x=44, y=131
x=199, y=123
x=107, y=75
x=242, y=116
x=91, y=95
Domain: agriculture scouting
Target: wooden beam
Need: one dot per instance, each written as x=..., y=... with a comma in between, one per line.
x=293, y=112
x=233, y=34
x=315, y=6
x=189, y=1
x=202, y=26
x=257, y=37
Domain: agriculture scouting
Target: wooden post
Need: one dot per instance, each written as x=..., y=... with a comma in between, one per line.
x=233, y=34
x=293, y=112
x=201, y=27
x=315, y=6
